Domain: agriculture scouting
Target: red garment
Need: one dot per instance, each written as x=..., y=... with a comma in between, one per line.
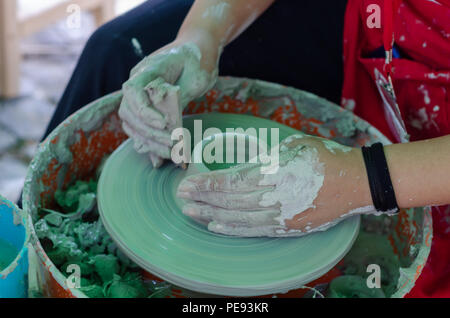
x=421, y=79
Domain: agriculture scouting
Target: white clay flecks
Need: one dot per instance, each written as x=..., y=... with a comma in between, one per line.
x=283, y=232
x=348, y=104
x=361, y=210
x=358, y=211
x=288, y=140
x=426, y=96
x=137, y=47
x=256, y=231
x=437, y=75
x=334, y=146
x=323, y=227
x=294, y=191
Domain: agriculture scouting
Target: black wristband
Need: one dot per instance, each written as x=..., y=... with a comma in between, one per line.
x=381, y=188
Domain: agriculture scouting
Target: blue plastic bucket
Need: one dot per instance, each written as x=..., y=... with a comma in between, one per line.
x=13, y=251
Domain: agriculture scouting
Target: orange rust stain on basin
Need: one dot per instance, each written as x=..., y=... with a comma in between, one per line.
x=405, y=231
x=54, y=289
x=48, y=179
x=290, y=116
x=227, y=104
x=90, y=149
x=87, y=151
x=284, y=114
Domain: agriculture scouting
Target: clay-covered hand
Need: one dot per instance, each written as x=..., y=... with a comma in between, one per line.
x=158, y=90
x=318, y=183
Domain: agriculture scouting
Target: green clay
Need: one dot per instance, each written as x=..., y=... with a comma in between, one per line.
x=128, y=286
x=82, y=240
x=93, y=291
x=106, y=266
x=372, y=249
x=349, y=286
x=7, y=254
x=69, y=199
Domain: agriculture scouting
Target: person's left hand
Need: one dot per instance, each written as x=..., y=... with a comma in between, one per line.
x=318, y=184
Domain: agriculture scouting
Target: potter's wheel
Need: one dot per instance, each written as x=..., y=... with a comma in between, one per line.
x=141, y=212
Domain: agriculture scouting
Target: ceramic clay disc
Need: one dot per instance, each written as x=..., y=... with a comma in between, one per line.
x=141, y=212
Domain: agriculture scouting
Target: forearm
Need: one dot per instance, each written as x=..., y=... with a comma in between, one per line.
x=420, y=172
x=221, y=21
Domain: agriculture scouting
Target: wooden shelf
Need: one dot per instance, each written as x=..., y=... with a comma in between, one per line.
x=12, y=29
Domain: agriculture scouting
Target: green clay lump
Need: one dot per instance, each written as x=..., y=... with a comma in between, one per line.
x=352, y=286
x=76, y=235
x=369, y=248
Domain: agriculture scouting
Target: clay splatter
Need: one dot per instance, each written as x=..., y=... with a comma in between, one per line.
x=137, y=47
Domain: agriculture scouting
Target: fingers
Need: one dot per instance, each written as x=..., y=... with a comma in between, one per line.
x=227, y=200
x=148, y=132
x=138, y=102
x=205, y=213
x=260, y=231
x=144, y=123
x=151, y=107
x=236, y=179
x=165, y=98
x=234, y=189
x=156, y=161
x=143, y=145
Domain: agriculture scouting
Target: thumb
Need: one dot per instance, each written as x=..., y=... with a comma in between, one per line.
x=166, y=99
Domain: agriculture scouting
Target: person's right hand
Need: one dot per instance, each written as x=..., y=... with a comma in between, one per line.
x=158, y=90
x=318, y=183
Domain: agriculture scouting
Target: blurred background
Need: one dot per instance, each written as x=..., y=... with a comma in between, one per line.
x=40, y=42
